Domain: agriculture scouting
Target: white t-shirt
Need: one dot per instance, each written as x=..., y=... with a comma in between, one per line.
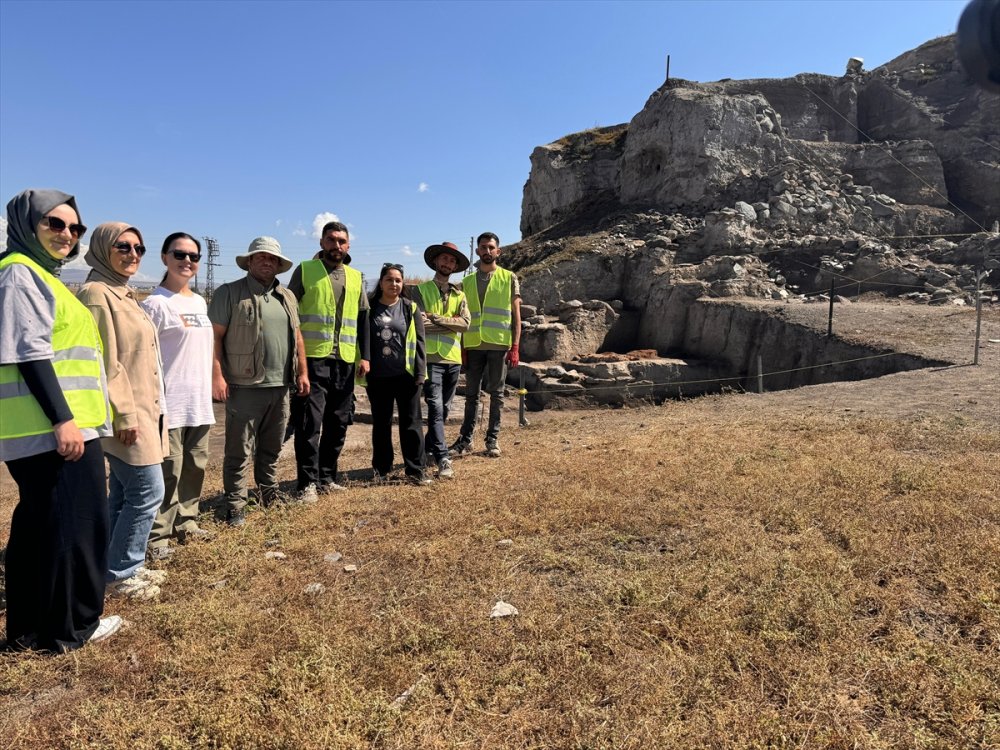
x=186, y=344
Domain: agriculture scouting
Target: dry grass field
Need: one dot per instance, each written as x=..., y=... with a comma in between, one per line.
x=734, y=571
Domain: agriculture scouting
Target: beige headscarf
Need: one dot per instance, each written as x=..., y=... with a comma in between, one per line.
x=98, y=255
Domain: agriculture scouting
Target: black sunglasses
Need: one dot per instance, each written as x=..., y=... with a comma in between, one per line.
x=57, y=225
x=125, y=248
x=392, y=266
x=180, y=255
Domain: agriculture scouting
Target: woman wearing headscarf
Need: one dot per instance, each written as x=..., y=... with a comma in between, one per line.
x=53, y=409
x=187, y=342
x=135, y=389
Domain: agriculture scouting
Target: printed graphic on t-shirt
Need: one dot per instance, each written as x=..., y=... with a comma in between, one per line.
x=195, y=320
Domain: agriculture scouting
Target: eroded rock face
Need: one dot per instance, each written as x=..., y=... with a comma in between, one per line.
x=915, y=130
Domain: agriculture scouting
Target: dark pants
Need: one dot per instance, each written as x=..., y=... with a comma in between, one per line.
x=58, y=550
x=439, y=390
x=383, y=394
x=321, y=420
x=485, y=370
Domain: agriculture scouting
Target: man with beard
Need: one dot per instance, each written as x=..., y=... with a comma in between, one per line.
x=333, y=308
x=491, y=343
x=259, y=354
x=445, y=317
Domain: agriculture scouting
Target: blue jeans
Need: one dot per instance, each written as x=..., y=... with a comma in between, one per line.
x=439, y=390
x=134, y=494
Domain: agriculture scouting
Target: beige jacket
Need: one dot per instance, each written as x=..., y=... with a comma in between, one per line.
x=132, y=361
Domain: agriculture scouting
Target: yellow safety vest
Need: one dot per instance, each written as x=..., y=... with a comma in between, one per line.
x=318, y=312
x=492, y=322
x=411, y=346
x=76, y=347
x=448, y=346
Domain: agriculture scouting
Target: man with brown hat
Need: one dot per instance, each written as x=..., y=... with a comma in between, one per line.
x=446, y=318
x=259, y=355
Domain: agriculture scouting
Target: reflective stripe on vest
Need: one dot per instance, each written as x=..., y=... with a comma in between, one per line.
x=411, y=347
x=318, y=312
x=448, y=346
x=76, y=347
x=492, y=322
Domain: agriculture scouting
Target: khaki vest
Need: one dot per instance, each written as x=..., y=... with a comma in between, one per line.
x=243, y=350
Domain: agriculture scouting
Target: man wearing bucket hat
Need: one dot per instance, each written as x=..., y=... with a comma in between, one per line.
x=259, y=354
x=491, y=343
x=446, y=318
x=334, y=310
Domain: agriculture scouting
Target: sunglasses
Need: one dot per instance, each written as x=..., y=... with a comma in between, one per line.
x=57, y=225
x=125, y=248
x=392, y=266
x=180, y=255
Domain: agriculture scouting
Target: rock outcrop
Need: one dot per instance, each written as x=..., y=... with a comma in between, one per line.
x=914, y=129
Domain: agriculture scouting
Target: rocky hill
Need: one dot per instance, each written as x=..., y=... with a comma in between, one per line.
x=884, y=181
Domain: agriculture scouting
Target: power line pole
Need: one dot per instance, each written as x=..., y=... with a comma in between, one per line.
x=210, y=265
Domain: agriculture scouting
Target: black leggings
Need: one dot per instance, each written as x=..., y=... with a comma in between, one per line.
x=57, y=554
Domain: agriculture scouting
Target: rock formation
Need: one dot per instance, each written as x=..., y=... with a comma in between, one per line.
x=876, y=181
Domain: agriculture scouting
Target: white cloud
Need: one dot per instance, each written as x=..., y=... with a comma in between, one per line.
x=299, y=232
x=3, y=234
x=405, y=250
x=322, y=219
x=279, y=222
x=423, y=187
x=78, y=261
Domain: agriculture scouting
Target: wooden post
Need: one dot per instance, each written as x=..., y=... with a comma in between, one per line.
x=760, y=375
x=979, y=313
x=521, y=394
x=829, y=323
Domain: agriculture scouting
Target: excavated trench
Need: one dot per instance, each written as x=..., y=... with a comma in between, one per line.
x=716, y=347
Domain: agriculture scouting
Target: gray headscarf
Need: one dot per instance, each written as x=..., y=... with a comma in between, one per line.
x=24, y=212
x=98, y=254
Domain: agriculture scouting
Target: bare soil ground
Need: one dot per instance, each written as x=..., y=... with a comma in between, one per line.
x=808, y=568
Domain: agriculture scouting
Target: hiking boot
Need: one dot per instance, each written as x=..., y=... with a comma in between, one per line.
x=151, y=576
x=308, y=495
x=420, y=480
x=379, y=478
x=272, y=495
x=159, y=553
x=184, y=536
x=106, y=627
x=444, y=469
x=492, y=449
x=462, y=447
x=236, y=518
x=133, y=588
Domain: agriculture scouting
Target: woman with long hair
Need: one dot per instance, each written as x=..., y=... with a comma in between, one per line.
x=180, y=317
x=53, y=409
x=398, y=369
x=135, y=389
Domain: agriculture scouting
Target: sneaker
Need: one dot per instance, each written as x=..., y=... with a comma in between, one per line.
x=308, y=495
x=236, y=518
x=159, y=553
x=152, y=576
x=330, y=487
x=444, y=469
x=462, y=447
x=106, y=627
x=184, y=536
x=133, y=588
x=421, y=480
x=492, y=449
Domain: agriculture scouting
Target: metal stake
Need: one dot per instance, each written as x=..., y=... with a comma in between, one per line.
x=829, y=323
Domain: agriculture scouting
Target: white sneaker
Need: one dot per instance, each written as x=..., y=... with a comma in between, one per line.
x=444, y=469
x=307, y=495
x=152, y=576
x=133, y=588
x=106, y=628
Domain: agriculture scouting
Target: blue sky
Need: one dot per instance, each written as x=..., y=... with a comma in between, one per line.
x=412, y=122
